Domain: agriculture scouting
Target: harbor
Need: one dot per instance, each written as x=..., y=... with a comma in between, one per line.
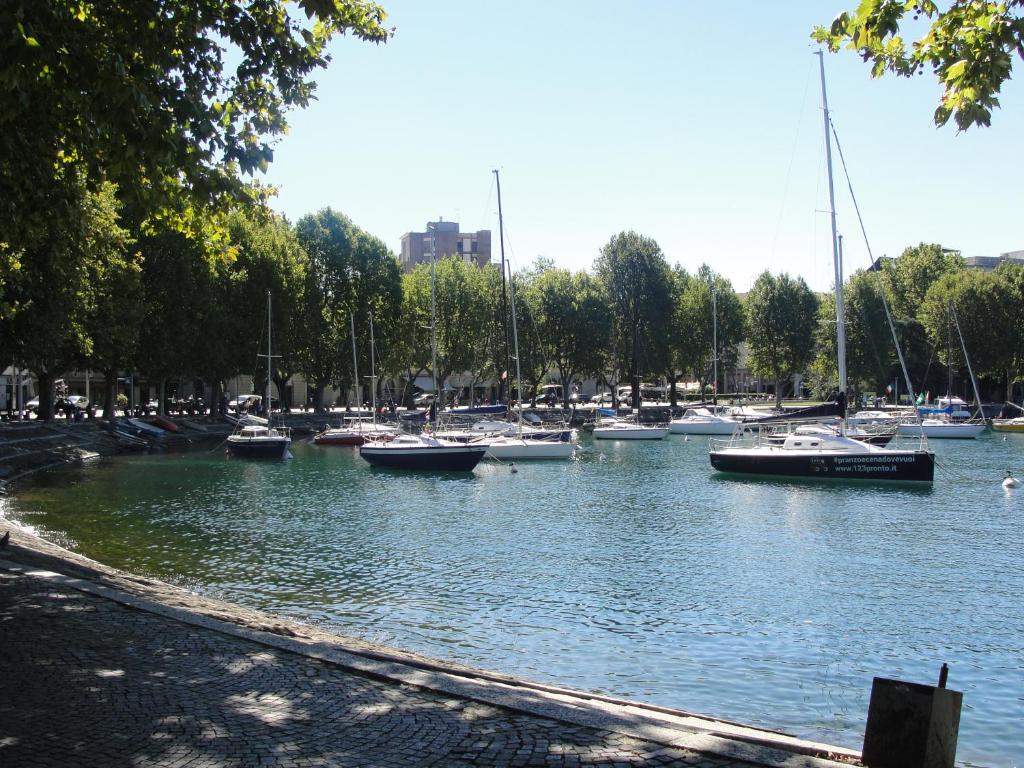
x=632, y=571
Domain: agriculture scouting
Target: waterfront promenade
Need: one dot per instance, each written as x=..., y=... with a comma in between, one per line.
x=101, y=668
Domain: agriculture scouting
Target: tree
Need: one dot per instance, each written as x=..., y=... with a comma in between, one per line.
x=704, y=295
x=56, y=292
x=781, y=315
x=348, y=273
x=870, y=350
x=984, y=306
x=114, y=312
x=168, y=101
x=907, y=280
x=637, y=280
x=268, y=258
x=969, y=45
x=575, y=322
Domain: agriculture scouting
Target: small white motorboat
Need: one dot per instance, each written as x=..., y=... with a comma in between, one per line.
x=628, y=430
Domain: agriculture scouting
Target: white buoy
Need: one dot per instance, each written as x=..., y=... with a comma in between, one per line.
x=686, y=438
x=1010, y=481
x=513, y=468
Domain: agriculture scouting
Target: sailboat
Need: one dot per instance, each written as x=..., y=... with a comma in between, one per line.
x=358, y=432
x=517, y=446
x=424, y=451
x=821, y=456
x=707, y=421
x=256, y=438
x=941, y=422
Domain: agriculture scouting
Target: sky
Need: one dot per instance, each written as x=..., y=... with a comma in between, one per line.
x=696, y=124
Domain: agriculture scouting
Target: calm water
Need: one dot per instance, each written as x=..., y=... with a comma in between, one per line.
x=632, y=571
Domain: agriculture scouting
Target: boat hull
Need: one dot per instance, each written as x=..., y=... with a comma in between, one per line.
x=645, y=433
x=894, y=466
x=267, y=448
x=703, y=427
x=455, y=458
x=529, y=449
x=1013, y=425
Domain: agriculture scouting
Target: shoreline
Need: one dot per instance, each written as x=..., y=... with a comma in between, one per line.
x=30, y=555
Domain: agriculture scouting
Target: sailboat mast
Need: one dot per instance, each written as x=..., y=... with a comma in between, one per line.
x=714, y=344
x=515, y=341
x=269, y=358
x=504, y=300
x=836, y=257
x=433, y=321
x=373, y=373
x=355, y=362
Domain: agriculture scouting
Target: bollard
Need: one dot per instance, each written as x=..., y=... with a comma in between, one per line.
x=912, y=725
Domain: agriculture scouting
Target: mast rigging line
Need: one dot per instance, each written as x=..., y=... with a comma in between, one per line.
x=881, y=285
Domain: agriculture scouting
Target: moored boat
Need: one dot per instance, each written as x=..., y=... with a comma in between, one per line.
x=260, y=440
x=1009, y=425
x=628, y=430
x=701, y=421
x=942, y=429
x=422, y=452
x=822, y=457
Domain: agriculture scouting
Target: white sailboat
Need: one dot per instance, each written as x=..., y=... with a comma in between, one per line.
x=509, y=447
x=824, y=456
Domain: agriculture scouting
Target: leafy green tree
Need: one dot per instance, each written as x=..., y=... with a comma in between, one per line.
x=327, y=298
x=178, y=331
x=114, y=295
x=168, y=102
x=684, y=351
x=268, y=257
x=969, y=45
x=704, y=295
x=870, y=351
x=1013, y=275
x=984, y=306
x=575, y=322
x=409, y=355
x=465, y=306
x=637, y=280
x=907, y=280
x=55, y=290
x=781, y=316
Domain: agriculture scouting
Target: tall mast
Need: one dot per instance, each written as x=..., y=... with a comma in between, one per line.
x=355, y=362
x=433, y=321
x=714, y=343
x=504, y=300
x=515, y=340
x=269, y=358
x=373, y=373
x=836, y=257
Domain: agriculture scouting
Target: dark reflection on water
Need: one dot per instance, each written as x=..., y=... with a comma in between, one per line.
x=632, y=571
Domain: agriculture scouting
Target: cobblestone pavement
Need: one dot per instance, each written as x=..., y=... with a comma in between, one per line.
x=85, y=681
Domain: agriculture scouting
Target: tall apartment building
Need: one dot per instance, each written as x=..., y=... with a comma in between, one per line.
x=443, y=238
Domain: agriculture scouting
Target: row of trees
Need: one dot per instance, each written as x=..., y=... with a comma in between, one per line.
x=156, y=303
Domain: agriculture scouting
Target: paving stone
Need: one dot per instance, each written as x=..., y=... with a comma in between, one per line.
x=85, y=681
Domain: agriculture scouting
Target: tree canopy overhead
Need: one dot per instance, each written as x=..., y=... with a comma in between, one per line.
x=969, y=45
x=169, y=100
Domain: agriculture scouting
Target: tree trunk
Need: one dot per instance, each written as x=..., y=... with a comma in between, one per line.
x=778, y=394
x=110, y=395
x=161, y=406
x=45, y=410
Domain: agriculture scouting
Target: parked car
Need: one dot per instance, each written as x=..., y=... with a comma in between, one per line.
x=80, y=402
x=423, y=400
x=32, y=406
x=605, y=398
